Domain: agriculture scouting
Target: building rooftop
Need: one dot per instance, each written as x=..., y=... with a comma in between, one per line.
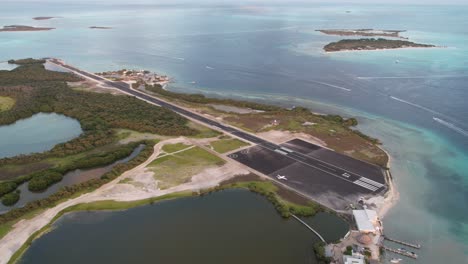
x=366, y=220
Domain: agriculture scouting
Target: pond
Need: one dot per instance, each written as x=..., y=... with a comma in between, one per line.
x=234, y=226
x=38, y=133
x=69, y=179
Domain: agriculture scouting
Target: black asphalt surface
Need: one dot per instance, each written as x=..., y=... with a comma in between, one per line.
x=365, y=169
x=309, y=168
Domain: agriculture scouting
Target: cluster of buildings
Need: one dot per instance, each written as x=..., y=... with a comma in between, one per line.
x=136, y=76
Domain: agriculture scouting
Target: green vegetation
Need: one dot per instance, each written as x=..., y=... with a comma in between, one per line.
x=126, y=180
x=203, y=131
x=170, y=148
x=35, y=89
x=27, y=61
x=349, y=250
x=11, y=198
x=6, y=103
x=201, y=99
x=71, y=191
x=226, y=145
x=371, y=44
x=286, y=202
x=319, y=249
x=335, y=131
x=38, y=90
x=42, y=180
x=6, y=187
x=172, y=170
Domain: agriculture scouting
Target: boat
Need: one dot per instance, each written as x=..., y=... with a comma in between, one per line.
x=395, y=260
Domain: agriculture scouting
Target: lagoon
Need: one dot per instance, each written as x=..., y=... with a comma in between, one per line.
x=234, y=226
x=38, y=133
x=71, y=178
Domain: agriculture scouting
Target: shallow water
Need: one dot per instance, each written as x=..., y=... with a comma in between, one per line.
x=234, y=226
x=69, y=179
x=272, y=53
x=37, y=133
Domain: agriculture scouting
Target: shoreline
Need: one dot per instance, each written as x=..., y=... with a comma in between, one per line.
x=24, y=229
x=374, y=50
x=392, y=196
x=17, y=238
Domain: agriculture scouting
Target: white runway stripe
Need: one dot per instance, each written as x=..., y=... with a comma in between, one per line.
x=376, y=184
x=365, y=185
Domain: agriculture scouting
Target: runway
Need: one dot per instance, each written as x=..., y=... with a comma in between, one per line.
x=309, y=169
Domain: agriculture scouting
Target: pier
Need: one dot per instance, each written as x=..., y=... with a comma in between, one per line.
x=311, y=229
x=417, y=246
x=402, y=252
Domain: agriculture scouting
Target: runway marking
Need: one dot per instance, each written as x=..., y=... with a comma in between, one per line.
x=365, y=185
x=369, y=181
x=263, y=143
x=281, y=152
x=287, y=150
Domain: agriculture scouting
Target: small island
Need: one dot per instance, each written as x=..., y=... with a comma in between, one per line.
x=43, y=18
x=96, y=27
x=365, y=32
x=13, y=28
x=372, y=44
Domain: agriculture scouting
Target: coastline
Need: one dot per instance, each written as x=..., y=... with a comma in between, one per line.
x=392, y=196
x=374, y=50
x=23, y=230
x=18, y=238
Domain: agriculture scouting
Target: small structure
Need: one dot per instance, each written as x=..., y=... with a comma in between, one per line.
x=367, y=220
x=355, y=258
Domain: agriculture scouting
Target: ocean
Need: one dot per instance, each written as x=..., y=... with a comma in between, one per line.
x=412, y=99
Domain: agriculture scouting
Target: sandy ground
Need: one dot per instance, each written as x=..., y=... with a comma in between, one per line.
x=142, y=185
x=278, y=137
x=92, y=86
x=384, y=204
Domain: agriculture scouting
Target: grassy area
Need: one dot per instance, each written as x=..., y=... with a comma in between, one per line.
x=226, y=145
x=126, y=136
x=285, y=201
x=337, y=134
x=126, y=180
x=8, y=172
x=203, y=131
x=175, y=169
x=171, y=148
x=6, y=103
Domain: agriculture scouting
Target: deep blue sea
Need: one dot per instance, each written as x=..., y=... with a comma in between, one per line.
x=414, y=100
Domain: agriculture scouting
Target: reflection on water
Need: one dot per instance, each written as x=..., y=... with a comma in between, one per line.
x=37, y=133
x=70, y=178
x=234, y=226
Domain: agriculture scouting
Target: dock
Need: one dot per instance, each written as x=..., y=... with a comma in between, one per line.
x=416, y=246
x=402, y=252
x=311, y=229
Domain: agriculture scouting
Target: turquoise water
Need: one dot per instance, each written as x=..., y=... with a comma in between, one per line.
x=233, y=226
x=38, y=133
x=272, y=53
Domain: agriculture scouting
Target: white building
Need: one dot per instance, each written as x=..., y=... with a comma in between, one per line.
x=356, y=258
x=367, y=220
